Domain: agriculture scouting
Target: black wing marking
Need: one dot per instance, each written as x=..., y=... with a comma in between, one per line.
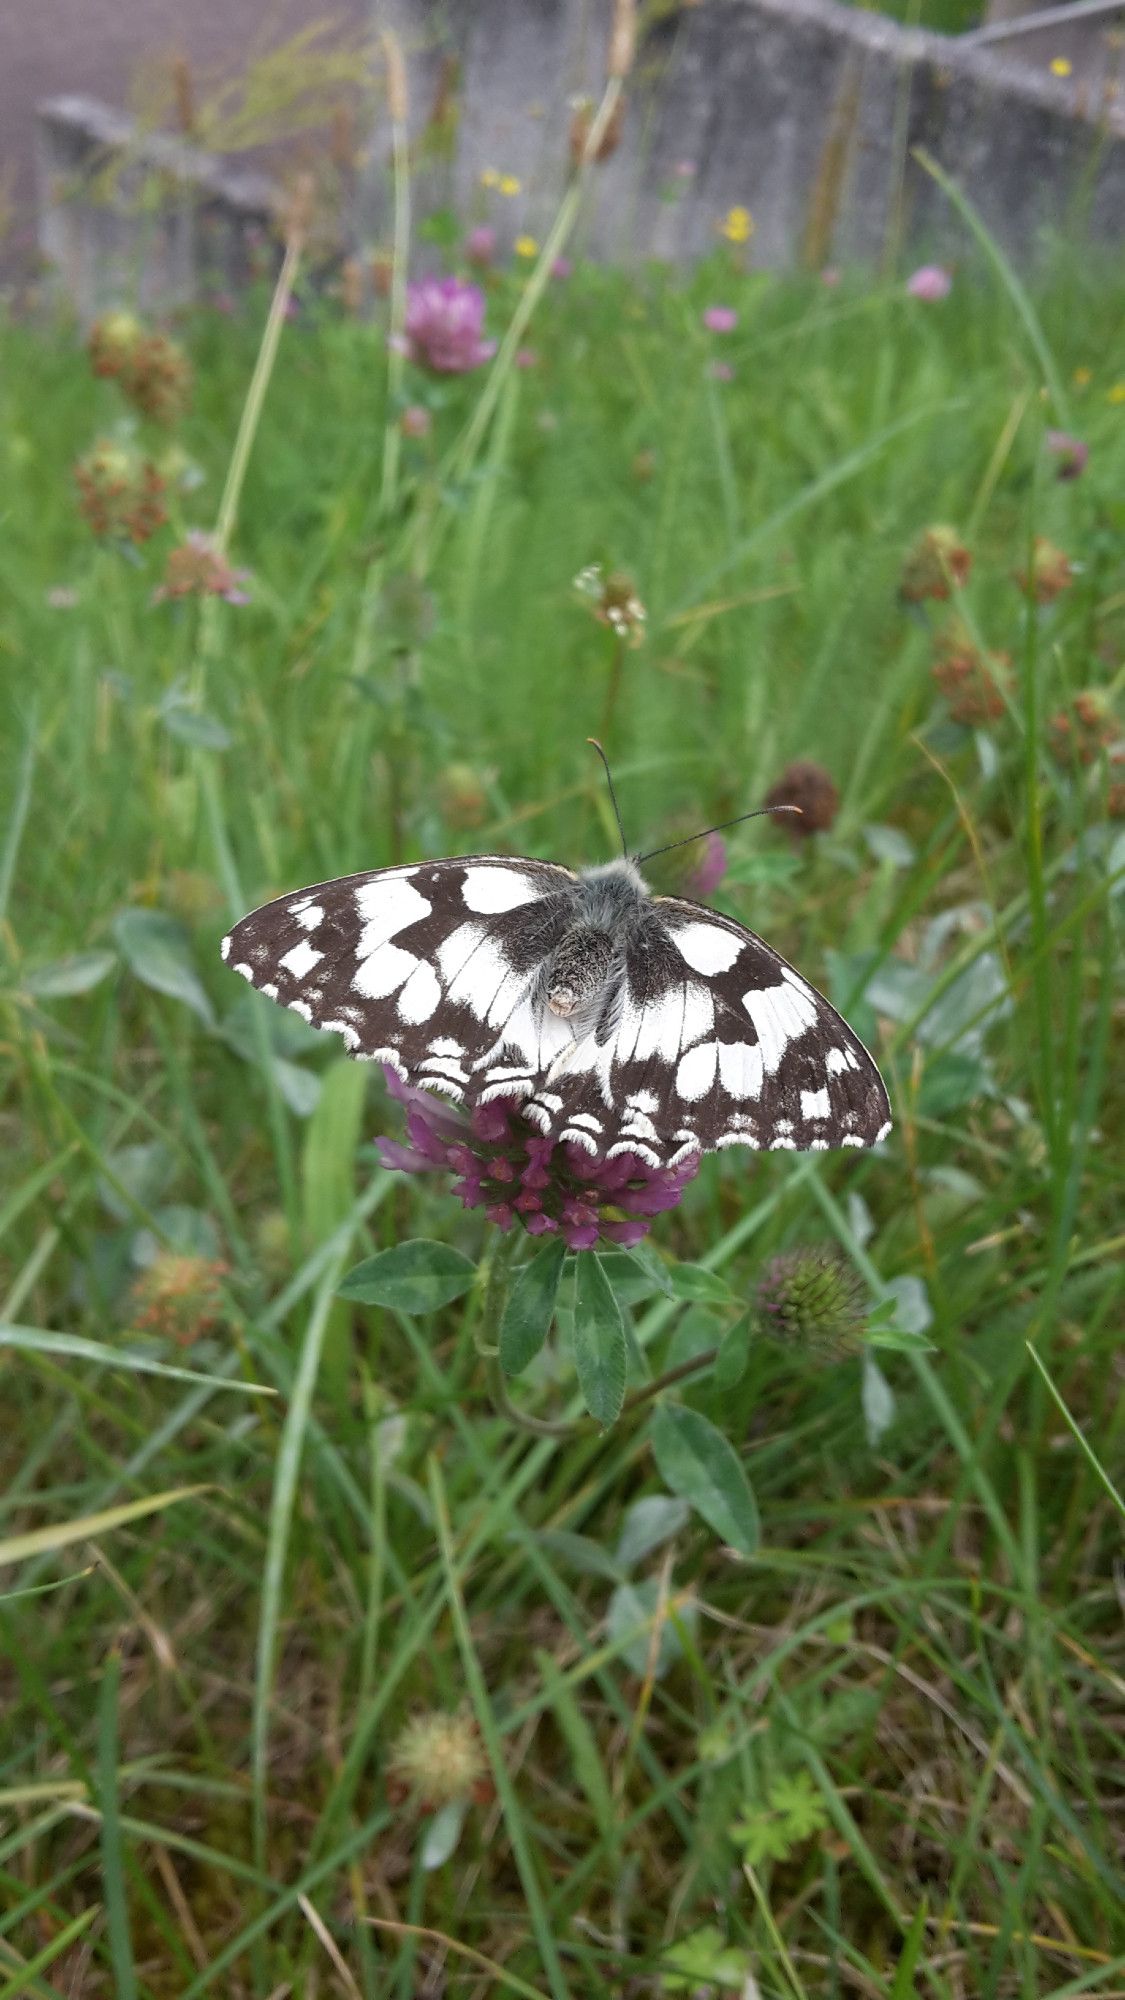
x=712, y=1040
x=432, y=968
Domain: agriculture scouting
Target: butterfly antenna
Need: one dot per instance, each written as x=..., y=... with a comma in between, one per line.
x=613, y=795
x=721, y=828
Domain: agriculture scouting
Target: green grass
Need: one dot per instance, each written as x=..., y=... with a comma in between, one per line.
x=882, y=1756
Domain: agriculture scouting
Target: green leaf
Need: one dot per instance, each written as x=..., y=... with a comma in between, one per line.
x=599, y=1340
x=531, y=1308
x=633, y=1608
x=733, y=1355
x=190, y=725
x=414, y=1277
x=157, y=949
x=898, y=1340
x=61, y=977
x=699, y=1463
x=187, y=1232
x=702, y=1287
x=703, y=1960
x=649, y=1522
x=442, y=1834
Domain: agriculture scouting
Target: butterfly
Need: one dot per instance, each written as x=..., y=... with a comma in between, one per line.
x=625, y=1022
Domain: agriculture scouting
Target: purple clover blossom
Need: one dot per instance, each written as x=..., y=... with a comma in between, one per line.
x=720, y=319
x=708, y=868
x=518, y=1177
x=930, y=282
x=1069, y=453
x=480, y=244
x=444, y=324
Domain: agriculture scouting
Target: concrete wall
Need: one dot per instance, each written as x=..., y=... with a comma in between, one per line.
x=803, y=111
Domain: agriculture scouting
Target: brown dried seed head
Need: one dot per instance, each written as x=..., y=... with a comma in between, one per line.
x=622, y=39
x=398, y=97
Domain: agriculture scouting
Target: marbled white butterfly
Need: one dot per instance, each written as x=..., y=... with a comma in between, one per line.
x=625, y=1022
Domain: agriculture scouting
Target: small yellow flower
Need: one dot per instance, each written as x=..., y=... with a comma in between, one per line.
x=490, y=178
x=509, y=184
x=1116, y=394
x=526, y=246
x=1083, y=377
x=1061, y=66
x=737, y=225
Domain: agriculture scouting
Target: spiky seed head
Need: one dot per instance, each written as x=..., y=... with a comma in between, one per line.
x=813, y=1300
x=437, y=1759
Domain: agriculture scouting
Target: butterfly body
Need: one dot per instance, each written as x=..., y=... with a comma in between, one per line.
x=624, y=1022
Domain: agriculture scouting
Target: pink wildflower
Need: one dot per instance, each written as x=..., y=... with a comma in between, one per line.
x=444, y=324
x=198, y=568
x=521, y=1179
x=480, y=244
x=708, y=866
x=415, y=421
x=561, y=268
x=720, y=319
x=1069, y=452
x=930, y=282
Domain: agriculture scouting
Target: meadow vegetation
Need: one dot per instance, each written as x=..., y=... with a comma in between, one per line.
x=331, y=1663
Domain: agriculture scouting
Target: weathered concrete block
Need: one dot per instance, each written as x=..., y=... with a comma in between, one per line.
x=806, y=112
x=130, y=215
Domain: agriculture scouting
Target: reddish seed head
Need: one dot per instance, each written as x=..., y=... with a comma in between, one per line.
x=808, y=786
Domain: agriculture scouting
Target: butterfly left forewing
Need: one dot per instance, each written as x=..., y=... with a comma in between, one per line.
x=426, y=967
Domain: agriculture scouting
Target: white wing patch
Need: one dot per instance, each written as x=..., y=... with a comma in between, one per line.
x=490, y=891
x=386, y=908
x=383, y=972
x=780, y=1014
x=301, y=960
x=707, y=948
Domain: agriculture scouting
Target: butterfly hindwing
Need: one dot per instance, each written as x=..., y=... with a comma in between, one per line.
x=781, y=1069
x=712, y=1040
x=423, y=967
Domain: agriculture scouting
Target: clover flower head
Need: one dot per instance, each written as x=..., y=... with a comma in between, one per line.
x=930, y=282
x=1081, y=732
x=720, y=319
x=480, y=244
x=1049, y=573
x=614, y=601
x=813, y=1299
x=971, y=681
x=807, y=785
x=561, y=268
x=120, y=492
x=199, y=568
x=444, y=325
x=937, y=563
x=523, y=1180
x=437, y=1759
x=179, y=1297
x=1069, y=453
x=113, y=341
